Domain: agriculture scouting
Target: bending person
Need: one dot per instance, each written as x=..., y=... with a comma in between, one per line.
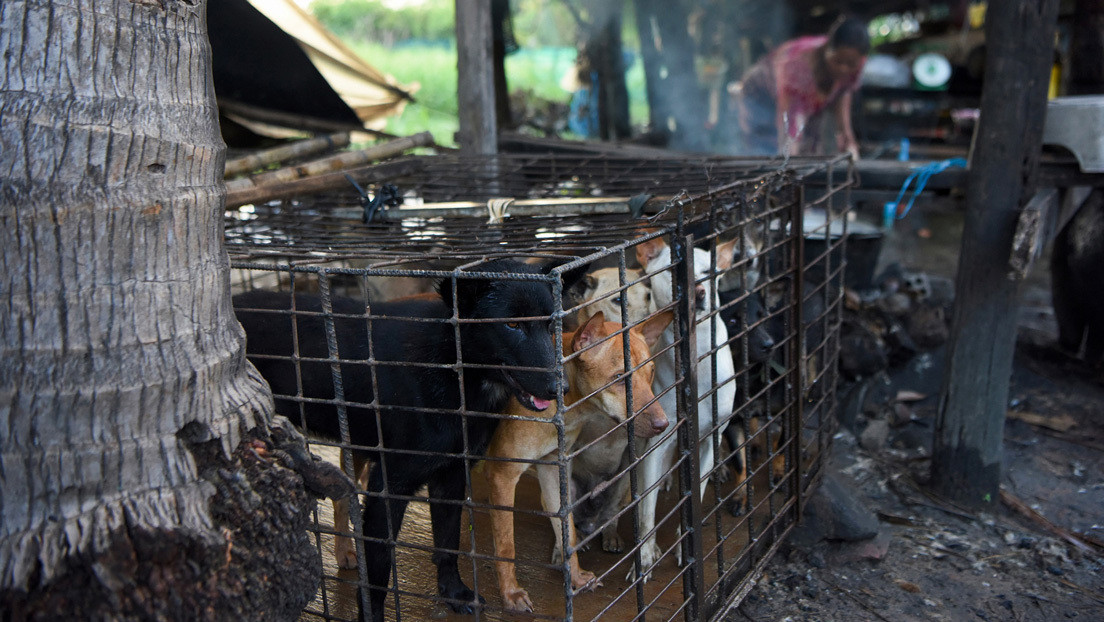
x=781, y=98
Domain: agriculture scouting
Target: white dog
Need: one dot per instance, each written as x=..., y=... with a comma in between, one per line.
x=712, y=349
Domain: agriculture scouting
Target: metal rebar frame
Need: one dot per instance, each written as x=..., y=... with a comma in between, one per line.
x=460, y=212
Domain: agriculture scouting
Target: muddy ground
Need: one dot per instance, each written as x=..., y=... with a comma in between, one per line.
x=1038, y=555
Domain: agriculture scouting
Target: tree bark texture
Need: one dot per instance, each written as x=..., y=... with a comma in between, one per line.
x=966, y=459
x=117, y=333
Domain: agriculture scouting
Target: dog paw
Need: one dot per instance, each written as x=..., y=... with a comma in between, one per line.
x=464, y=600
x=721, y=476
x=585, y=580
x=735, y=507
x=649, y=553
x=345, y=553
x=612, y=543
x=557, y=555
x=516, y=600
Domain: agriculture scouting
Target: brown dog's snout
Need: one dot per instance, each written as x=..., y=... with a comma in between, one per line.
x=699, y=297
x=659, y=424
x=651, y=421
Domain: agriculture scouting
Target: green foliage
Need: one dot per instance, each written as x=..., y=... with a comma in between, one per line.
x=417, y=44
x=540, y=70
x=434, y=69
x=371, y=20
x=543, y=23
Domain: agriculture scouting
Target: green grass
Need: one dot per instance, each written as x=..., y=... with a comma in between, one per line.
x=434, y=68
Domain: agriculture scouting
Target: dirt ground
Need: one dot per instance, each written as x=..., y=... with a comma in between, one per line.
x=1039, y=555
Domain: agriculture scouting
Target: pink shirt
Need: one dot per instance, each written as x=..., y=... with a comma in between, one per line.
x=787, y=73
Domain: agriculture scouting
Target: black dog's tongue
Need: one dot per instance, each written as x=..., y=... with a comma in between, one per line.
x=527, y=399
x=531, y=401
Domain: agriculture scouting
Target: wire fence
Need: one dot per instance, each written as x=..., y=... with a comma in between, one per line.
x=448, y=348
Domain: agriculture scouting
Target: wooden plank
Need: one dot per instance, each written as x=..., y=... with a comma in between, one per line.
x=614, y=600
x=966, y=457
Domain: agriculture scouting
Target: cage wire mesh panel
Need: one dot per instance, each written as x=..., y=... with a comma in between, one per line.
x=679, y=434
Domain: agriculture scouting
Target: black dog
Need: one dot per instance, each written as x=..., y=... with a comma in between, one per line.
x=422, y=405
x=746, y=320
x=735, y=303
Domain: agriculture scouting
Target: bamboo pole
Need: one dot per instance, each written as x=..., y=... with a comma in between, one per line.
x=331, y=164
x=297, y=149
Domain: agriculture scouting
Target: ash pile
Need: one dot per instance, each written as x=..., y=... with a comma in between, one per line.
x=892, y=339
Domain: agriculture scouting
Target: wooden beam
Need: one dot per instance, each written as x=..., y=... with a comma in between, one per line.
x=966, y=458
x=475, y=78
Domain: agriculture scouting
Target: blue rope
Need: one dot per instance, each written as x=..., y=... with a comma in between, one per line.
x=921, y=176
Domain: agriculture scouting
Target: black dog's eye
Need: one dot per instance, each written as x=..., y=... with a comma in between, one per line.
x=514, y=325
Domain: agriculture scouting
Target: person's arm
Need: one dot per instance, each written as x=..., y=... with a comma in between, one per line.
x=791, y=106
x=845, y=136
x=790, y=120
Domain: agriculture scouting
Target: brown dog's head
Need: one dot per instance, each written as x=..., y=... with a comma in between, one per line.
x=600, y=372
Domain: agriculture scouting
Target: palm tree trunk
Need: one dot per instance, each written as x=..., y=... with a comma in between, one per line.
x=119, y=350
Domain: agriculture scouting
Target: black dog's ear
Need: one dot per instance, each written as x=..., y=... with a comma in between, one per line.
x=570, y=277
x=444, y=288
x=468, y=291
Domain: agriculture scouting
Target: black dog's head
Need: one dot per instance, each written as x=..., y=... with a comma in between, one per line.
x=759, y=340
x=521, y=345
x=594, y=510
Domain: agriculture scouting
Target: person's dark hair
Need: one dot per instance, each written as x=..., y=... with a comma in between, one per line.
x=849, y=32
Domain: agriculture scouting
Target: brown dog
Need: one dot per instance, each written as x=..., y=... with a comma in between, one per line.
x=595, y=371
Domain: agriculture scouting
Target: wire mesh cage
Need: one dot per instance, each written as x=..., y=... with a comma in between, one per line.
x=648, y=337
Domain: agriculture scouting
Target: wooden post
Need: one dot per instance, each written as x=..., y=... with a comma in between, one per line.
x=604, y=47
x=966, y=459
x=675, y=100
x=475, y=78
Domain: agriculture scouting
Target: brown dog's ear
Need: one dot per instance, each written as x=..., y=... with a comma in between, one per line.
x=654, y=326
x=725, y=254
x=647, y=251
x=588, y=334
x=775, y=293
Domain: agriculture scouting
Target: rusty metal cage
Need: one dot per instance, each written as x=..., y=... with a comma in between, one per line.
x=674, y=523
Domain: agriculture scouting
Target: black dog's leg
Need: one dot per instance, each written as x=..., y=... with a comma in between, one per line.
x=376, y=527
x=448, y=485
